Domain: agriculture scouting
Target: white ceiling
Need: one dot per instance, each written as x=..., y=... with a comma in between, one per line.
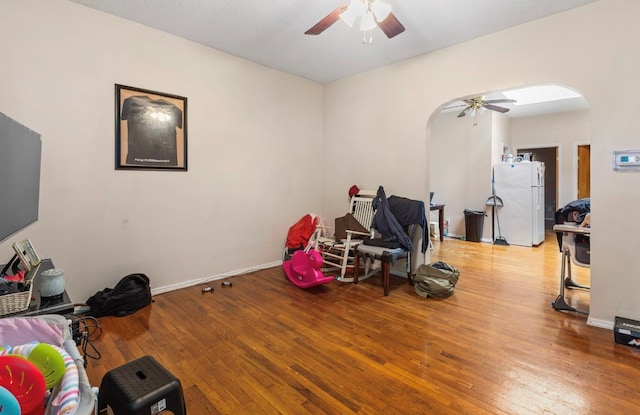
x=271, y=32
x=516, y=110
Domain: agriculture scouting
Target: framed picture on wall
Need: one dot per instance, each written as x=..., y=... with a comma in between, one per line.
x=151, y=130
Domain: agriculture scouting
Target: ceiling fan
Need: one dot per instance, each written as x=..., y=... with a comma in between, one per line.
x=474, y=104
x=372, y=13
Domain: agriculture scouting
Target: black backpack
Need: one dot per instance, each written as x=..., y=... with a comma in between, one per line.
x=130, y=294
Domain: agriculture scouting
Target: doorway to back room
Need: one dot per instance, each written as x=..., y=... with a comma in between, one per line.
x=549, y=156
x=470, y=134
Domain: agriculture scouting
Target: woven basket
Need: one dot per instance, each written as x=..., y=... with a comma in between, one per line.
x=15, y=303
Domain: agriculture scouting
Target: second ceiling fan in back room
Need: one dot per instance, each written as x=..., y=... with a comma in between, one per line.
x=372, y=14
x=473, y=105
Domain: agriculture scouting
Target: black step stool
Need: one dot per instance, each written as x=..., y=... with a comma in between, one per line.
x=140, y=387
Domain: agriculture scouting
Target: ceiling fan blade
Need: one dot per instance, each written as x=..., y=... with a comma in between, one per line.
x=496, y=108
x=499, y=101
x=391, y=26
x=454, y=107
x=463, y=113
x=327, y=21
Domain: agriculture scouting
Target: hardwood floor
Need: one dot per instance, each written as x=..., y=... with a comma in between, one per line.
x=496, y=346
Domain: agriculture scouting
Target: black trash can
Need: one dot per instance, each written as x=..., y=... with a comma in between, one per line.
x=473, y=224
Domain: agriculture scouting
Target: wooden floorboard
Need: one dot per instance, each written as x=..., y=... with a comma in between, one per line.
x=496, y=346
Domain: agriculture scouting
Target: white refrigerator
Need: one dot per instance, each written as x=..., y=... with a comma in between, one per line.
x=521, y=187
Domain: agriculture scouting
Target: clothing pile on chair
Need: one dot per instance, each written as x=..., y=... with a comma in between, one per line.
x=392, y=219
x=574, y=211
x=348, y=222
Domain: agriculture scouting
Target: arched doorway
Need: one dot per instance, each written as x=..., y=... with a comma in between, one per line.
x=464, y=149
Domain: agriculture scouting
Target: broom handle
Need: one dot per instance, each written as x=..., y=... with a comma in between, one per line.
x=497, y=219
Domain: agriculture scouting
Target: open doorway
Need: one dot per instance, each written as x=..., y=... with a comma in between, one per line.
x=466, y=142
x=549, y=156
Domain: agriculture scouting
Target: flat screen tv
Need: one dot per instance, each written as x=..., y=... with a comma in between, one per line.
x=20, y=151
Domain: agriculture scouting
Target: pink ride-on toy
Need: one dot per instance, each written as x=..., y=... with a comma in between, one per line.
x=303, y=269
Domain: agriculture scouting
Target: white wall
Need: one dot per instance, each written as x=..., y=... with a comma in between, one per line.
x=500, y=136
x=602, y=64
x=461, y=167
x=563, y=130
x=253, y=134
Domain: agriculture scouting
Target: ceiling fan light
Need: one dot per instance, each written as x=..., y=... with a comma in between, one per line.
x=349, y=16
x=355, y=9
x=380, y=10
x=367, y=22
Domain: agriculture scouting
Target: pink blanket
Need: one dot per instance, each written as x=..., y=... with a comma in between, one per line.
x=17, y=330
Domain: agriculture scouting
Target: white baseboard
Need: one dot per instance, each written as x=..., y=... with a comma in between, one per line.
x=603, y=324
x=191, y=283
x=456, y=236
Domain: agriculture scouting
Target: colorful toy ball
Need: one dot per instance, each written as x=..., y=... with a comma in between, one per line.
x=50, y=362
x=25, y=382
x=8, y=403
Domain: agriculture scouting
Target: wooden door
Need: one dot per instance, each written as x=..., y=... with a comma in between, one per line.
x=584, y=171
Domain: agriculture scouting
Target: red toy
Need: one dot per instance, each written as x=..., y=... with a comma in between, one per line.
x=24, y=380
x=303, y=269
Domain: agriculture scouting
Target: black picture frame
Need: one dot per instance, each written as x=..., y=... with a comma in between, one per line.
x=151, y=130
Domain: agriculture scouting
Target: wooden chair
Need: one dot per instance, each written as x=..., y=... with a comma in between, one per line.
x=338, y=255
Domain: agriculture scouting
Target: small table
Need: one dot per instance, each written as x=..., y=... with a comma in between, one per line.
x=38, y=306
x=440, y=209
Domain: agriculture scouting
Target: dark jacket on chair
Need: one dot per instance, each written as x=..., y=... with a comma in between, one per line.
x=410, y=212
x=386, y=223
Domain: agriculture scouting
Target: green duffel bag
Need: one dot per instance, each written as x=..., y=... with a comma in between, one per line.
x=435, y=280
